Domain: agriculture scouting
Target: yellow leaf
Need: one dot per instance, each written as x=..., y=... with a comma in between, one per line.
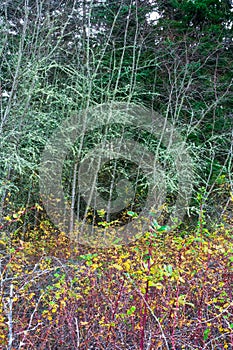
x=63, y=303
x=181, y=279
x=127, y=265
x=38, y=207
x=31, y=295
x=225, y=305
x=231, y=194
x=159, y=286
x=94, y=266
x=118, y=267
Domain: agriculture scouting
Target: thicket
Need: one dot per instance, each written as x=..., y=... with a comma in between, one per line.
x=167, y=289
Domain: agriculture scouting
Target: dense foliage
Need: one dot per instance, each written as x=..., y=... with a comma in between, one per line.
x=167, y=289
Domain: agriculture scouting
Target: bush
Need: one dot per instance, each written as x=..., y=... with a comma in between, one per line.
x=167, y=290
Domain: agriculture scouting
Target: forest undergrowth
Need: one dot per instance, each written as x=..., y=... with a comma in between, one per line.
x=166, y=290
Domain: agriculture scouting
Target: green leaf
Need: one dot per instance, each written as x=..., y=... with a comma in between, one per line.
x=163, y=228
x=131, y=310
x=132, y=213
x=88, y=257
x=168, y=268
x=206, y=333
x=101, y=212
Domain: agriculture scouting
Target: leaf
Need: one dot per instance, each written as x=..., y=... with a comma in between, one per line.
x=181, y=279
x=154, y=223
x=38, y=207
x=88, y=257
x=117, y=240
x=102, y=223
x=101, y=212
x=168, y=269
x=206, y=333
x=131, y=310
x=127, y=265
x=181, y=299
x=155, y=284
x=118, y=267
x=163, y=228
x=132, y=213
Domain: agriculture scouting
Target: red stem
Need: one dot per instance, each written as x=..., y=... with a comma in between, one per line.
x=115, y=308
x=144, y=318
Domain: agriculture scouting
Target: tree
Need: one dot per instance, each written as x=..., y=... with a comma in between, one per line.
x=59, y=57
